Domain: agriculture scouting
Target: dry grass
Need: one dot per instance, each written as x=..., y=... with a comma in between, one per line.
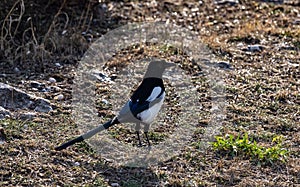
x=262, y=92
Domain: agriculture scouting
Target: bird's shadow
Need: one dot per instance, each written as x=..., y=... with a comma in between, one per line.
x=129, y=176
x=108, y=171
x=124, y=175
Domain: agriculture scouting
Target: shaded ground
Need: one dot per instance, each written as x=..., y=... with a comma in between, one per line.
x=262, y=90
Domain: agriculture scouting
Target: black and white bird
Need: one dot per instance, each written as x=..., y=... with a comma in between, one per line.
x=142, y=107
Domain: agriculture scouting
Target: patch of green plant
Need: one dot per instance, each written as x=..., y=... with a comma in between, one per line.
x=167, y=48
x=85, y=148
x=99, y=181
x=231, y=89
x=297, y=44
x=131, y=183
x=16, y=129
x=245, y=146
x=155, y=136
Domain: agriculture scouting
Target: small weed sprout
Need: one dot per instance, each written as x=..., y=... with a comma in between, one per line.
x=247, y=147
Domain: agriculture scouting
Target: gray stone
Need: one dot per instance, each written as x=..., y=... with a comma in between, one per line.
x=12, y=98
x=4, y=113
x=114, y=184
x=254, y=48
x=27, y=115
x=273, y=1
x=52, y=80
x=38, y=85
x=227, y=2
x=224, y=65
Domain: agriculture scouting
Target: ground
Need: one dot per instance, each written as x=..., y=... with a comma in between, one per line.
x=259, y=39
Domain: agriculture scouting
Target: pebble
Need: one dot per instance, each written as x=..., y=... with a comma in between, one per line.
x=51, y=89
x=52, y=80
x=59, y=97
x=43, y=108
x=37, y=85
x=105, y=101
x=114, y=184
x=4, y=113
x=27, y=116
x=254, y=48
x=101, y=76
x=240, y=45
x=297, y=22
x=229, y=2
x=22, y=100
x=273, y=1
x=16, y=70
x=57, y=64
x=224, y=65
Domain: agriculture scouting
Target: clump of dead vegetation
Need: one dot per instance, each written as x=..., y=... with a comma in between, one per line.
x=36, y=35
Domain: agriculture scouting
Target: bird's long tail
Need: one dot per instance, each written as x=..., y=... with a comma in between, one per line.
x=88, y=134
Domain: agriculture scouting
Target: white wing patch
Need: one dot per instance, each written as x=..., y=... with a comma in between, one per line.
x=155, y=93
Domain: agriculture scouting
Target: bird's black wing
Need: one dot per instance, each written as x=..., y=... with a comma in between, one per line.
x=146, y=95
x=144, y=91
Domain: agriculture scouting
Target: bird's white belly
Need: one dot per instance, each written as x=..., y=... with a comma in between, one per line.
x=149, y=115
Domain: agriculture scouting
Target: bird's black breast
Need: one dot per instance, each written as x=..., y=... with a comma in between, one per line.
x=142, y=93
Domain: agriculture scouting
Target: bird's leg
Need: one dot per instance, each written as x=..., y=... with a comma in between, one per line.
x=146, y=129
x=146, y=134
x=137, y=130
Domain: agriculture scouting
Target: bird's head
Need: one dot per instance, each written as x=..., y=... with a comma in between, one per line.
x=157, y=67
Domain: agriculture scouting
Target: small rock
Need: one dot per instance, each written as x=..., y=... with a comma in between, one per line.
x=101, y=76
x=105, y=101
x=44, y=109
x=3, y=75
x=296, y=22
x=114, y=184
x=77, y=164
x=57, y=64
x=4, y=113
x=224, y=65
x=55, y=88
x=16, y=70
x=273, y=1
x=240, y=45
x=37, y=85
x=13, y=98
x=47, y=89
x=52, y=80
x=43, y=106
x=224, y=2
x=59, y=97
x=27, y=116
x=254, y=48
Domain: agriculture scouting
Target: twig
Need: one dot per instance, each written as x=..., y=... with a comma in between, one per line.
x=53, y=22
x=3, y=25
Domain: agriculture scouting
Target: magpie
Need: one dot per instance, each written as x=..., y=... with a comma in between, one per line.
x=142, y=107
